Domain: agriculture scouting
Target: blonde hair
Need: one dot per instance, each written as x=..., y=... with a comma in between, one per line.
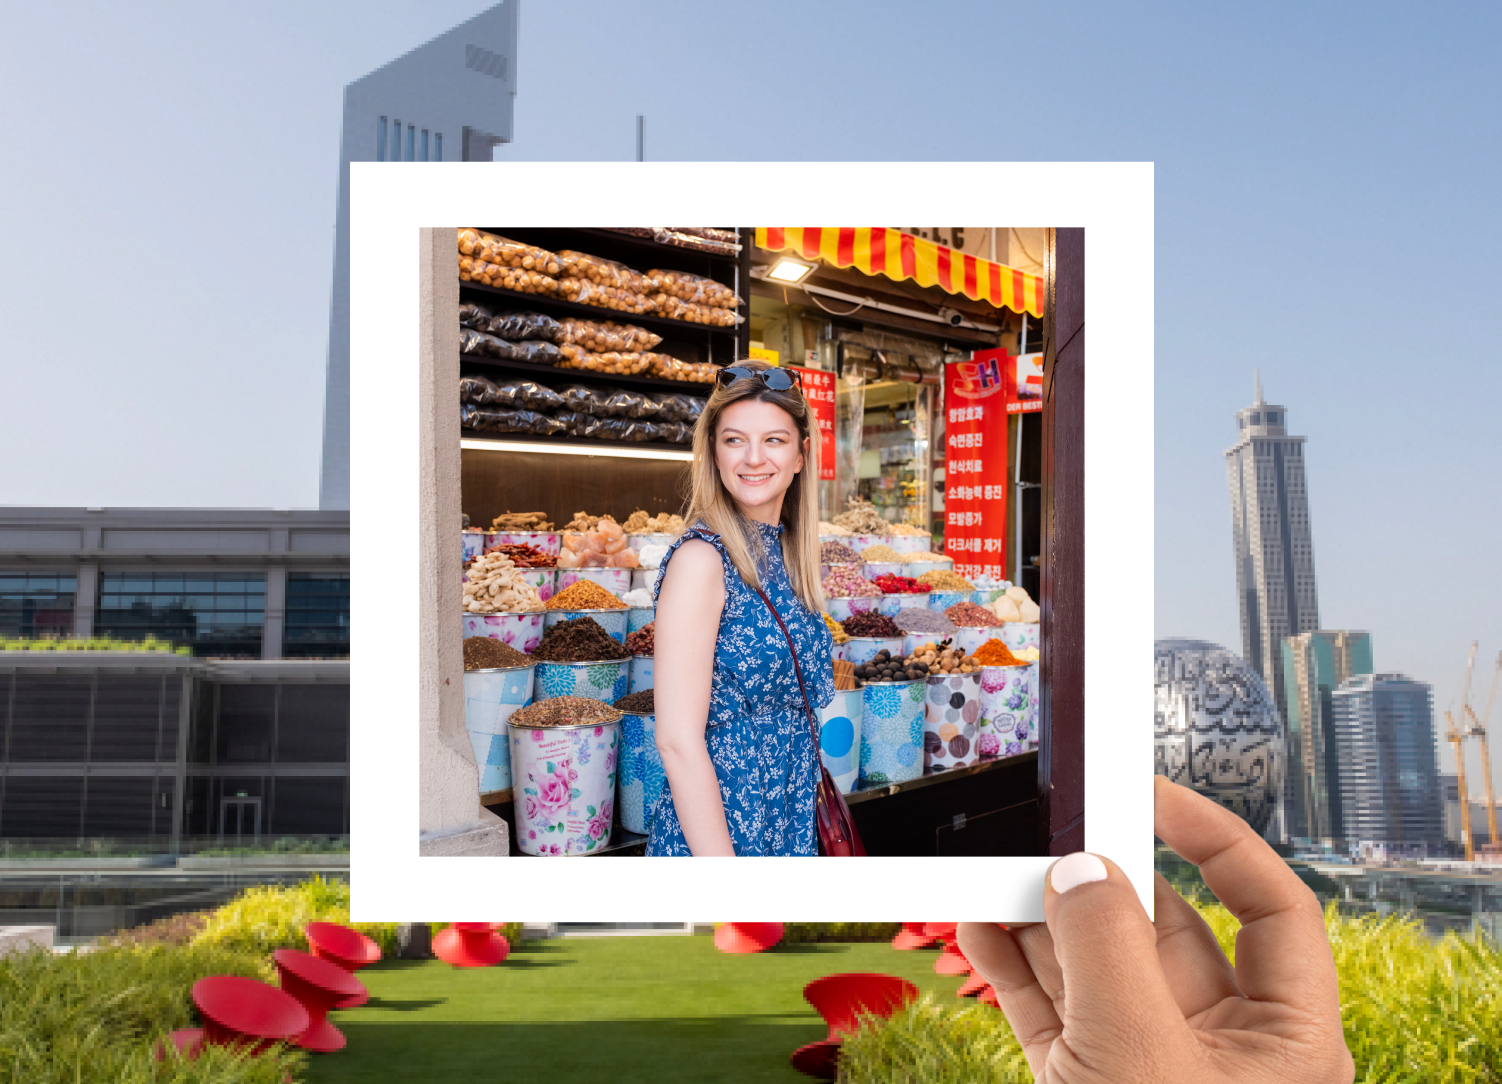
x=711, y=503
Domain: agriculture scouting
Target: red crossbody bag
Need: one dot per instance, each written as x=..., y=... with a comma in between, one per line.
x=838, y=837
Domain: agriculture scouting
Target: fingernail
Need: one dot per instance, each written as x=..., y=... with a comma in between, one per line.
x=1079, y=868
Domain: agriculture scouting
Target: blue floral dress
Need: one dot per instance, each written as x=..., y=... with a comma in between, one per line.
x=758, y=734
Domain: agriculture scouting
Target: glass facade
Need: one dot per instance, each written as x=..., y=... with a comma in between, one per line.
x=36, y=605
x=215, y=614
x=317, y=622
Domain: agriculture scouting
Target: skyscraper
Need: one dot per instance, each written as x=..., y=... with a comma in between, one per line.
x=447, y=101
x=1314, y=664
x=1274, y=550
x=1389, y=770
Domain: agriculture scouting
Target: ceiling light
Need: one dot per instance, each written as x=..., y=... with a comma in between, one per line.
x=789, y=270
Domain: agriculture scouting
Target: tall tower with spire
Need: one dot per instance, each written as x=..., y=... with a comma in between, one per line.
x=1274, y=559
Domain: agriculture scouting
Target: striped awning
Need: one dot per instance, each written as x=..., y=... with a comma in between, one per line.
x=880, y=251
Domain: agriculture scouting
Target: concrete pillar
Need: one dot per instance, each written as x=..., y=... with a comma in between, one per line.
x=85, y=600
x=276, y=612
x=451, y=819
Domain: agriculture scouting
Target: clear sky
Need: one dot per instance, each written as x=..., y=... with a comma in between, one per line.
x=1326, y=212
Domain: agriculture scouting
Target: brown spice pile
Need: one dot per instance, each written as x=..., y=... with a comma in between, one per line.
x=579, y=640
x=941, y=579
x=521, y=521
x=565, y=711
x=971, y=615
x=644, y=640
x=584, y=595
x=485, y=653
x=637, y=703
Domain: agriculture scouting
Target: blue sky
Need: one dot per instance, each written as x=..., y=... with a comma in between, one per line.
x=1326, y=212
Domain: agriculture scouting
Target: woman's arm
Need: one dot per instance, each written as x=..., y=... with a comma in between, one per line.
x=688, y=624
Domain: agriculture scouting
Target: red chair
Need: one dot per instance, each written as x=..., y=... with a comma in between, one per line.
x=841, y=1000
x=471, y=944
x=186, y=1041
x=973, y=985
x=318, y=986
x=943, y=931
x=988, y=995
x=911, y=936
x=343, y=947
x=246, y=1013
x=952, y=961
x=747, y=936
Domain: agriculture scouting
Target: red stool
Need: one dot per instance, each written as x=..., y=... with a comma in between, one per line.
x=318, y=986
x=911, y=936
x=471, y=944
x=186, y=1041
x=952, y=961
x=973, y=985
x=747, y=936
x=943, y=931
x=988, y=996
x=841, y=1000
x=343, y=947
x=246, y=1013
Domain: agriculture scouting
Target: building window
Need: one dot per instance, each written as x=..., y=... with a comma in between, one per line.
x=1257, y=417
x=438, y=146
x=1274, y=418
x=424, y=144
x=411, y=142
x=36, y=605
x=317, y=624
x=218, y=614
x=381, y=140
x=396, y=140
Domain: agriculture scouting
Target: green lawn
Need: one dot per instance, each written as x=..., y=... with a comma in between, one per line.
x=600, y=1009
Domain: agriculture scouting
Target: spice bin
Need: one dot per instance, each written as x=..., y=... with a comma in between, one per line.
x=640, y=541
x=842, y=608
x=641, y=774
x=522, y=631
x=474, y=543
x=607, y=680
x=1020, y=634
x=970, y=638
x=564, y=786
x=545, y=541
x=638, y=617
x=850, y=566
x=640, y=673
x=615, y=580
x=490, y=696
x=613, y=621
x=942, y=600
x=1007, y=710
x=862, y=649
x=858, y=542
x=910, y=543
x=543, y=580
x=883, y=568
x=892, y=605
x=951, y=721
x=840, y=737
x=892, y=731
x=644, y=578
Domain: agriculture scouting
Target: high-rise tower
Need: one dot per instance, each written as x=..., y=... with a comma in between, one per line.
x=1274, y=550
x=1314, y=665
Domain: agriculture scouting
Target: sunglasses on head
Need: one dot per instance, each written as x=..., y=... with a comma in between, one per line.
x=776, y=379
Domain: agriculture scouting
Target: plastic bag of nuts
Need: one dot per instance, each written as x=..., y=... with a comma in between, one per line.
x=489, y=346
x=506, y=278
x=595, y=336
x=695, y=288
x=493, y=248
x=619, y=362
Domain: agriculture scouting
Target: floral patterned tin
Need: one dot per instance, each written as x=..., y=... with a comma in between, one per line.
x=474, y=543
x=546, y=541
x=638, y=617
x=641, y=673
x=564, y=787
x=490, y=696
x=951, y=721
x=859, y=542
x=1016, y=634
x=910, y=543
x=607, y=681
x=615, y=580
x=1008, y=710
x=521, y=631
x=613, y=621
x=639, y=542
x=862, y=649
x=642, y=774
x=970, y=638
x=942, y=600
x=841, y=608
x=892, y=731
x=543, y=580
x=840, y=737
x=882, y=568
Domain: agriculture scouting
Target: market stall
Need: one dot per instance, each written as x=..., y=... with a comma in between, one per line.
x=585, y=359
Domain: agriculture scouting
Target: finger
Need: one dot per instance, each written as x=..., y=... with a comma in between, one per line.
x=1282, y=950
x=995, y=954
x=1115, y=992
x=1199, y=975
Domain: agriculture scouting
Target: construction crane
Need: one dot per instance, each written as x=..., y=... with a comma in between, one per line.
x=1477, y=729
x=1457, y=739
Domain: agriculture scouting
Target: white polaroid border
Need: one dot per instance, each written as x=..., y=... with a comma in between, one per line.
x=1114, y=204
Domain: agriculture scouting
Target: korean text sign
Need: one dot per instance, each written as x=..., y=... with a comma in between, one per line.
x=975, y=465
x=818, y=389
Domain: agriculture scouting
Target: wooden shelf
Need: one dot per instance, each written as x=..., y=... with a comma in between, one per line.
x=928, y=778
x=582, y=445
x=586, y=376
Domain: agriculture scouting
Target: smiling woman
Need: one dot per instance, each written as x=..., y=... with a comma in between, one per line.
x=735, y=742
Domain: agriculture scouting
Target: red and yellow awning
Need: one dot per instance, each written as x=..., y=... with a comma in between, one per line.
x=880, y=251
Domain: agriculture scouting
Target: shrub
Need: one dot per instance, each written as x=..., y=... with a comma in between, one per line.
x=804, y=933
x=95, y=1017
x=269, y=917
x=933, y=1041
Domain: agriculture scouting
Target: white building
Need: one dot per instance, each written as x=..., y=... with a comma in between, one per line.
x=450, y=100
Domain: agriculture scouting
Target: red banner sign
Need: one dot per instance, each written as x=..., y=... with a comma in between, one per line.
x=1021, y=379
x=818, y=389
x=975, y=464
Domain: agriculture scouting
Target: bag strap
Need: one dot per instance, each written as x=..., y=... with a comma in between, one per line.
x=813, y=719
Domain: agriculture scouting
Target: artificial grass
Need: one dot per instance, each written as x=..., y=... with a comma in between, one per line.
x=621, y=1009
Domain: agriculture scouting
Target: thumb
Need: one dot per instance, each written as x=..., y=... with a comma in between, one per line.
x=1115, y=992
